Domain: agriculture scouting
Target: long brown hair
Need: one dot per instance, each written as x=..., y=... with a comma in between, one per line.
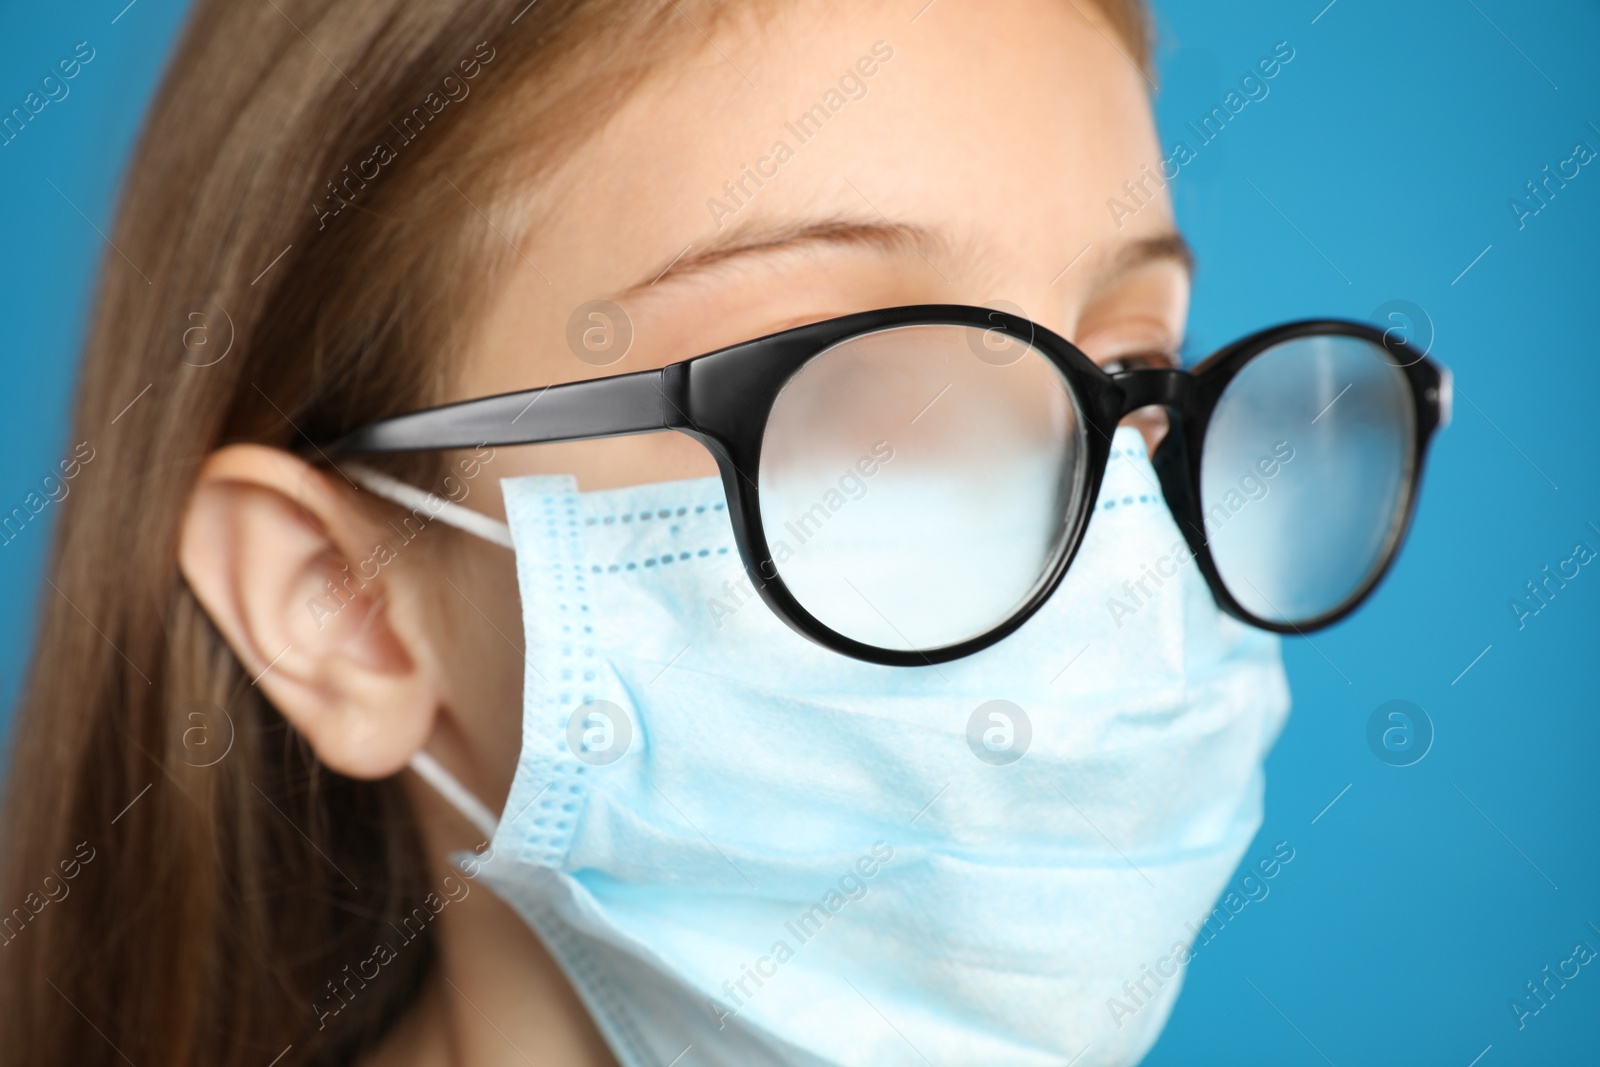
x=300, y=242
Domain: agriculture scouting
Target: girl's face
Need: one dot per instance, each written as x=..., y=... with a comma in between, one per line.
x=819, y=160
x=838, y=158
x=830, y=159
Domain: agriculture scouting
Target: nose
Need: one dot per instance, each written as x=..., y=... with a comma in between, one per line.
x=1152, y=423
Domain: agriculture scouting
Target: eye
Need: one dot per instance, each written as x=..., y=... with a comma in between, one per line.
x=1151, y=360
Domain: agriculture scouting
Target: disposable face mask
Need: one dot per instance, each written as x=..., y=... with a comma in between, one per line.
x=745, y=849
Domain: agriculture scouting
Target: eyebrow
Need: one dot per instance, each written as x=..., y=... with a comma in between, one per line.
x=890, y=237
x=883, y=236
x=1170, y=246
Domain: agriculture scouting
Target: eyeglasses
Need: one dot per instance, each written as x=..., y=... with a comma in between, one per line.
x=907, y=486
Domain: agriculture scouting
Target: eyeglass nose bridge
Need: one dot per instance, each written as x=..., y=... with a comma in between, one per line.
x=1167, y=387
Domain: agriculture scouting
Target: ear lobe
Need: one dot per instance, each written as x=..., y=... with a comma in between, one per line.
x=284, y=564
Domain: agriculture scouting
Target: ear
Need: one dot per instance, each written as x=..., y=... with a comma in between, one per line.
x=282, y=559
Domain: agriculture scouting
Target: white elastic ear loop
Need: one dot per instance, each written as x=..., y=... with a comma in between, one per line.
x=452, y=514
x=433, y=505
x=454, y=793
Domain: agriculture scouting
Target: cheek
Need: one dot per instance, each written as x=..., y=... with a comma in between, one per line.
x=475, y=637
x=609, y=463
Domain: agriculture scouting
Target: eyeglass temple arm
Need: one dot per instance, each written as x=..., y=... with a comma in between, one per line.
x=641, y=402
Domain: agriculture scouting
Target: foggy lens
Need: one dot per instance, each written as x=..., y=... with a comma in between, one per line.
x=1303, y=481
x=915, y=486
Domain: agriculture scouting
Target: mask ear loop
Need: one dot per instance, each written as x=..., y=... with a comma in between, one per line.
x=432, y=504
x=450, y=513
x=454, y=793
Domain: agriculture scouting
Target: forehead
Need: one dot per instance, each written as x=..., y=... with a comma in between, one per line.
x=1004, y=127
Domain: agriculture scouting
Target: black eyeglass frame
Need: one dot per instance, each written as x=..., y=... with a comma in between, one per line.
x=723, y=399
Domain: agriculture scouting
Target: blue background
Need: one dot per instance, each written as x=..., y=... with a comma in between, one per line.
x=1379, y=168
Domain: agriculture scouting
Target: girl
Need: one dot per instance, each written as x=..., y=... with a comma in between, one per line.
x=846, y=736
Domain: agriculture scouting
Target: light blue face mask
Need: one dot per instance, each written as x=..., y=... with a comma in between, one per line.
x=745, y=849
